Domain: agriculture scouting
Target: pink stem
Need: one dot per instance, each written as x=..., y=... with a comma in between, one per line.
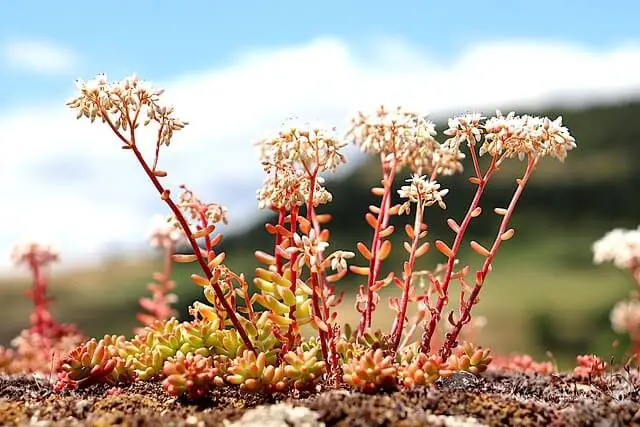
x=452, y=335
x=374, y=262
x=41, y=318
x=165, y=195
x=294, y=279
x=443, y=298
x=398, y=325
x=281, y=216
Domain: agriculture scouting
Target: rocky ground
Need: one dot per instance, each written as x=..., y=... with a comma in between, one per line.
x=497, y=398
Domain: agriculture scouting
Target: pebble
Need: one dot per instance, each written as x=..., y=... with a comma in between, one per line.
x=279, y=415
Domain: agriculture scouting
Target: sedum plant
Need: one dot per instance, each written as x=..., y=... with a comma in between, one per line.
x=194, y=374
x=589, y=367
x=370, y=372
x=40, y=347
x=255, y=340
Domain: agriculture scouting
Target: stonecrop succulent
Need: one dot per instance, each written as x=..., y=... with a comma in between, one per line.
x=255, y=340
x=371, y=372
x=194, y=374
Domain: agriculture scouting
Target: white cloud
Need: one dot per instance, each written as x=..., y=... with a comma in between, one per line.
x=39, y=56
x=70, y=182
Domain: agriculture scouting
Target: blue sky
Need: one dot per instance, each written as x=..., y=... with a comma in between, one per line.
x=235, y=70
x=160, y=39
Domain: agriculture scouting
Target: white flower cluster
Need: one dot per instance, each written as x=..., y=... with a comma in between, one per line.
x=423, y=191
x=620, y=246
x=291, y=159
x=407, y=136
x=121, y=103
x=33, y=252
x=625, y=317
x=309, y=146
x=310, y=248
x=465, y=128
x=195, y=208
x=511, y=135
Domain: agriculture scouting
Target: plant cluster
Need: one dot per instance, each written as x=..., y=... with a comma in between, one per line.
x=255, y=340
x=589, y=366
x=190, y=358
x=524, y=363
x=39, y=347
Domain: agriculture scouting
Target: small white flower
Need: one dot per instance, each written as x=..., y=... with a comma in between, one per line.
x=625, y=317
x=465, y=128
x=620, y=246
x=423, y=191
x=339, y=260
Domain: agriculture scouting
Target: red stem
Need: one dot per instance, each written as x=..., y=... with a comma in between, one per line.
x=322, y=281
x=183, y=223
x=382, y=222
x=318, y=283
x=281, y=216
x=316, y=309
x=452, y=335
x=398, y=324
x=315, y=297
x=443, y=298
x=41, y=318
x=196, y=249
x=294, y=279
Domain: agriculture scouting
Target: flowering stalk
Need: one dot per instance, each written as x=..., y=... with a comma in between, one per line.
x=503, y=137
x=293, y=331
x=402, y=139
x=503, y=234
x=321, y=291
x=398, y=323
x=121, y=100
x=293, y=159
x=452, y=253
x=381, y=230
x=423, y=192
x=37, y=258
x=325, y=328
x=166, y=197
x=41, y=319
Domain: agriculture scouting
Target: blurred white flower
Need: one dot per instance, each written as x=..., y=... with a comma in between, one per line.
x=620, y=246
x=164, y=233
x=625, y=317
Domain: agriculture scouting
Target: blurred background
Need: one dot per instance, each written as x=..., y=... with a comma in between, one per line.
x=237, y=70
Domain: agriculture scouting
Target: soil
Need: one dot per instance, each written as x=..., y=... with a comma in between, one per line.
x=497, y=398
